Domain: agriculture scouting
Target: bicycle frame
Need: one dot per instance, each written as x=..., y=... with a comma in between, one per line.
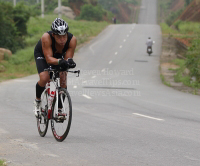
x=50, y=90
x=56, y=81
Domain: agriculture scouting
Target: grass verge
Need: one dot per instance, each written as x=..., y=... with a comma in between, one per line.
x=189, y=33
x=2, y=163
x=184, y=77
x=164, y=81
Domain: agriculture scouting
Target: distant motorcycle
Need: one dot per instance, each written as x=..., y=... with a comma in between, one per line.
x=149, y=46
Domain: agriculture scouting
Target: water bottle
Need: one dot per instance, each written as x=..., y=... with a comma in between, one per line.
x=50, y=101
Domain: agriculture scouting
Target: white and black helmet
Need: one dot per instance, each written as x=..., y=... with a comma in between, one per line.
x=59, y=27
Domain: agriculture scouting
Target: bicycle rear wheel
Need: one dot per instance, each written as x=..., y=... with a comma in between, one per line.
x=42, y=119
x=61, y=122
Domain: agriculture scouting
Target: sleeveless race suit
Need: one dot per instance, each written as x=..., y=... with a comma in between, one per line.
x=39, y=56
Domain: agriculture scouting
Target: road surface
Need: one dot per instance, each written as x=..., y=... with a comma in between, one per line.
x=122, y=113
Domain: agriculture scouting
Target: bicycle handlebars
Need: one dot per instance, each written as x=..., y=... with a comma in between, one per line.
x=59, y=70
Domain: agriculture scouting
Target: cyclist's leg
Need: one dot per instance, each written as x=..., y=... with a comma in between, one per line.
x=43, y=75
x=40, y=86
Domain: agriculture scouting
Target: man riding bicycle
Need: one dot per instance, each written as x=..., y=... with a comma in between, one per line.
x=55, y=48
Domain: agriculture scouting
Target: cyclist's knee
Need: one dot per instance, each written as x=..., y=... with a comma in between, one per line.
x=44, y=78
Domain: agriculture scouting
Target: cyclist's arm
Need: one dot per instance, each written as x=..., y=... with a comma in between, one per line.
x=71, y=49
x=47, y=50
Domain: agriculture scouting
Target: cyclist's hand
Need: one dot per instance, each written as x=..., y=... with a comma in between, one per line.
x=71, y=63
x=63, y=64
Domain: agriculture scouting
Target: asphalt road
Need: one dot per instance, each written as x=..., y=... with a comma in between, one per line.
x=122, y=113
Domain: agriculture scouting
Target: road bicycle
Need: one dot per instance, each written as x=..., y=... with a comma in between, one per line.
x=56, y=106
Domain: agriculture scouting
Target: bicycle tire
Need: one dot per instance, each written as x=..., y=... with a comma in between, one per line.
x=66, y=121
x=42, y=119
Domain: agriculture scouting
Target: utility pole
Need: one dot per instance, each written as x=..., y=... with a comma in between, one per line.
x=14, y=2
x=59, y=9
x=42, y=8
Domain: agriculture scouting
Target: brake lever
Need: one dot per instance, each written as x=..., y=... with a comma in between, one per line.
x=77, y=71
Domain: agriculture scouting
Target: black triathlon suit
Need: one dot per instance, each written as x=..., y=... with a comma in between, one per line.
x=40, y=60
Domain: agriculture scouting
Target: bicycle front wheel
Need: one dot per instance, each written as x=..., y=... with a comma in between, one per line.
x=61, y=115
x=42, y=119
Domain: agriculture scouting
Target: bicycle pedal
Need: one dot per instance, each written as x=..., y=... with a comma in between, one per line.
x=61, y=118
x=38, y=115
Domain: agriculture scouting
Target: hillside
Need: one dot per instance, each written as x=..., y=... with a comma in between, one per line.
x=192, y=12
x=180, y=59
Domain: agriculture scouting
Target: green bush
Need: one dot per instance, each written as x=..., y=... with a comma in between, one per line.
x=91, y=13
x=193, y=59
x=177, y=24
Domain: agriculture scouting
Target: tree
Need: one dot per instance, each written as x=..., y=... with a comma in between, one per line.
x=21, y=16
x=13, y=26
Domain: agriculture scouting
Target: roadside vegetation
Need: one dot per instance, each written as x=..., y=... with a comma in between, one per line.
x=2, y=163
x=189, y=33
x=22, y=62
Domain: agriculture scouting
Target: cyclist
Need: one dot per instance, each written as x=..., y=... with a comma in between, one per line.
x=56, y=47
x=149, y=43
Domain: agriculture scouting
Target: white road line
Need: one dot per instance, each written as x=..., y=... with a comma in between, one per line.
x=148, y=117
x=166, y=106
x=124, y=40
x=116, y=53
x=127, y=35
x=103, y=70
x=130, y=31
x=120, y=46
x=74, y=86
x=110, y=62
x=93, y=76
x=86, y=96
